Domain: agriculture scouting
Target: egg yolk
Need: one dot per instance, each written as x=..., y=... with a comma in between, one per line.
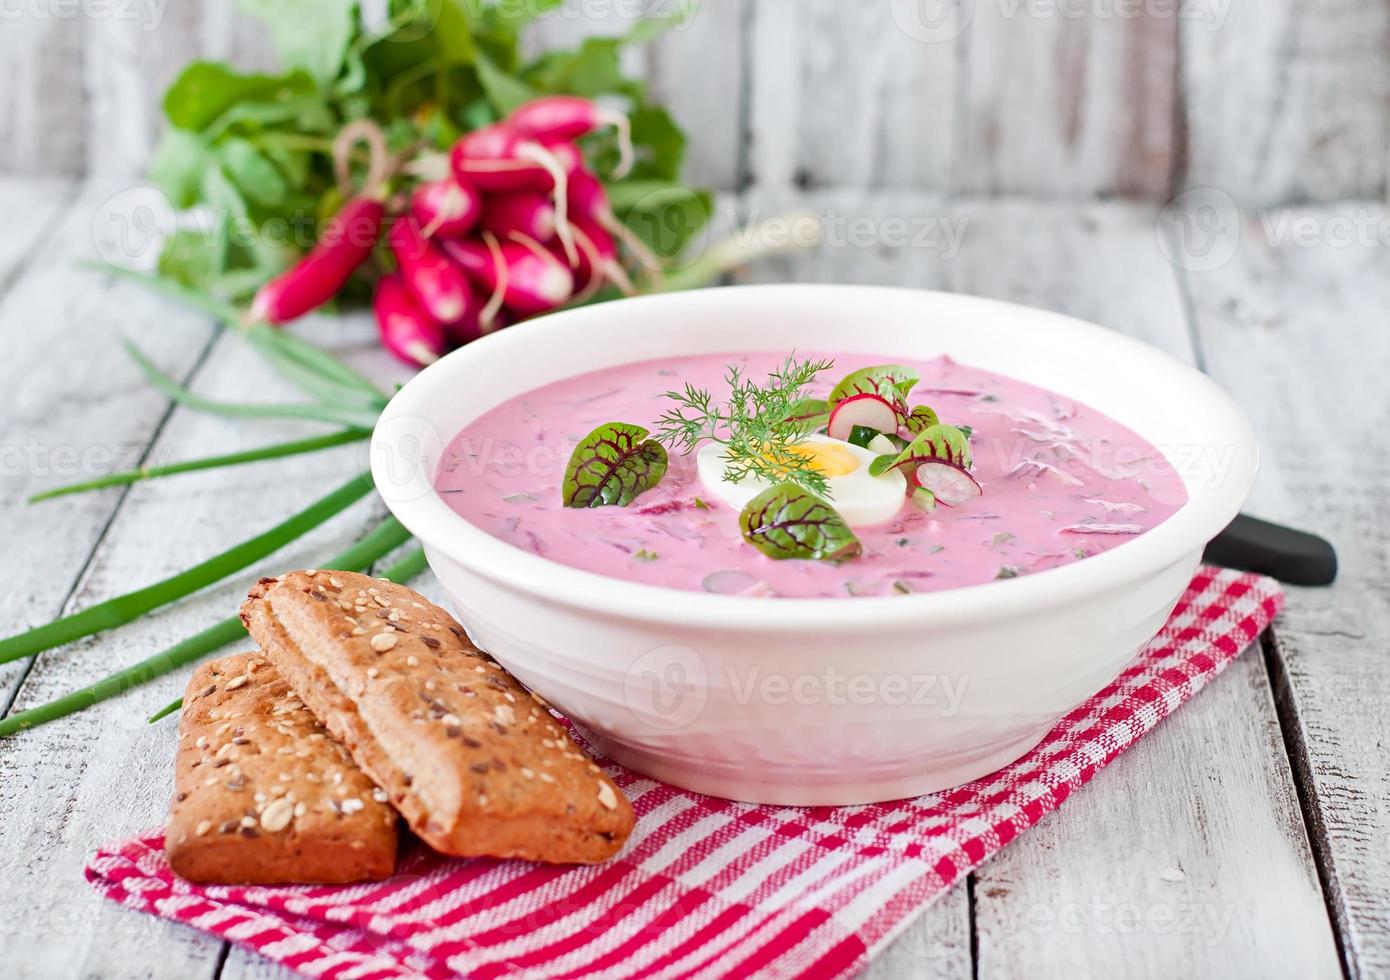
x=826, y=458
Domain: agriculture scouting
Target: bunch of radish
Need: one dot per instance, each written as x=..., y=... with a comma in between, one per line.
x=511, y=223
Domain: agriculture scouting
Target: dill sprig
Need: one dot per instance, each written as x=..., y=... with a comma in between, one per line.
x=755, y=426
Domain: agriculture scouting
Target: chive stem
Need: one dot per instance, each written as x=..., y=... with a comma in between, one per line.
x=361, y=417
x=124, y=608
x=381, y=540
x=289, y=353
x=275, y=451
x=217, y=310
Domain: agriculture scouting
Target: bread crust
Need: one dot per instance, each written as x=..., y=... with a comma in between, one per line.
x=475, y=762
x=262, y=794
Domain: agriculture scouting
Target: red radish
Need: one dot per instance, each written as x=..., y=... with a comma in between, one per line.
x=598, y=262
x=568, y=117
x=524, y=212
x=347, y=241
x=537, y=281
x=566, y=154
x=470, y=254
x=405, y=329
x=588, y=201
x=446, y=208
x=438, y=284
x=471, y=327
x=500, y=158
x=948, y=482
x=587, y=198
x=496, y=270
x=862, y=409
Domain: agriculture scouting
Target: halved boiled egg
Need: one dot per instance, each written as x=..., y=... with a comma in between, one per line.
x=862, y=500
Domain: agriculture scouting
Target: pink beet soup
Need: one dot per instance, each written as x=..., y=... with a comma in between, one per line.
x=1060, y=482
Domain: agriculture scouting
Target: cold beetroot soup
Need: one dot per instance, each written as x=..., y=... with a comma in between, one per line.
x=823, y=475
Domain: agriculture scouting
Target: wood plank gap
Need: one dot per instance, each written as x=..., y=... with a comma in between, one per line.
x=1177, y=174
x=1300, y=764
x=221, y=963
x=111, y=517
x=743, y=166
x=1186, y=301
x=970, y=882
x=41, y=241
x=960, y=129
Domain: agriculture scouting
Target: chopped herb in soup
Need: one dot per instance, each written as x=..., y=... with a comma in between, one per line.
x=816, y=475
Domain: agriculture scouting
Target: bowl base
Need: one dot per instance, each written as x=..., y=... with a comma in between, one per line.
x=760, y=785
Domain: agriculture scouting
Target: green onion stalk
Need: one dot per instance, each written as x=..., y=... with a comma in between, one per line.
x=381, y=541
x=337, y=395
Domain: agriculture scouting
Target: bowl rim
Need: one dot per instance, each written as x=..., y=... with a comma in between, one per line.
x=443, y=531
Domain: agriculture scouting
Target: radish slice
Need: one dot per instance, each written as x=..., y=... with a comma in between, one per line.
x=950, y=484
x=864, y=409
x=731, y=581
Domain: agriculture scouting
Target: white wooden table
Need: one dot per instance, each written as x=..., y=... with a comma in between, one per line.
x=1245, y=837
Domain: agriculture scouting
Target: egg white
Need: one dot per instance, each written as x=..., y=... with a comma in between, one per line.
x=862, y=500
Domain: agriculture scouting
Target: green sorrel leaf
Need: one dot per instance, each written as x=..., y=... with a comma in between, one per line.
x=784, y=521
x=612, y=465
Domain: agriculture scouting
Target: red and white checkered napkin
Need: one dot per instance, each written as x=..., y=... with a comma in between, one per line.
x=706, y=887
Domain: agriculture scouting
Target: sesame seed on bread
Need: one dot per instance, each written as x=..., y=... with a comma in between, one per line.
x=263, y=795
x=475, y=763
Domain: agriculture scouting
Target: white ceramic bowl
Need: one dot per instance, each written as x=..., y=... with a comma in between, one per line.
x=818, y=701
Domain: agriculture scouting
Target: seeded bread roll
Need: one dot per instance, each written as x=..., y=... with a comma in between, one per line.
x=263, y=796
x=474, y=762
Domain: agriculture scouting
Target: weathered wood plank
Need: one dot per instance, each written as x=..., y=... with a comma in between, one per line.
x=935, y=946
x=1285, y=99
x=1101, y=262
x=697, y=71
x=76, y=407
x=859, y=94
x=1087, y=892
x=1293, y=326
x=104, y=773
x=43, y=120
x=130, y=62
x=861, y=229
x=1187, y=856
x=33, y=209
x=1057, y=105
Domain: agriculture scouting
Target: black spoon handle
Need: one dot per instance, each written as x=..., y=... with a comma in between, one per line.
x=1253, y=545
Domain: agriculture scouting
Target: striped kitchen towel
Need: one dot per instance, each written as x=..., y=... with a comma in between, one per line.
x=705, y=887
